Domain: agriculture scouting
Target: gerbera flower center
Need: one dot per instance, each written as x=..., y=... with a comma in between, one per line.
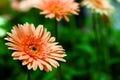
x=98, y=3
x=32, y=49
x=56, y=9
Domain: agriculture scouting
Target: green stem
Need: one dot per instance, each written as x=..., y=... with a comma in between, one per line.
x=104, y=44
x=96, y=34
x=95, y=29
x=56, y=29
x=56, y=35
x=28, y=74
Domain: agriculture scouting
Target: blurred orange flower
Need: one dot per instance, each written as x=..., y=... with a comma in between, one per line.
x=23, y=5
x=15, y=4
x=35, y=47
x=58, y=8
x=99, y=6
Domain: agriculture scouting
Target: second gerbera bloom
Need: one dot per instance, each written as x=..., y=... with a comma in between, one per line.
x=58, y=8
x=102, y=7
x=35, y=47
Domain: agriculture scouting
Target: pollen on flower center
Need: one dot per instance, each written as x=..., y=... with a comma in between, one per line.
x=32, y=49
x=56, y=8
x=98, y=2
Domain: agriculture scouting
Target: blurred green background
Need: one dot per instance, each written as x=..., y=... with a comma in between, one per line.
x=89, y=56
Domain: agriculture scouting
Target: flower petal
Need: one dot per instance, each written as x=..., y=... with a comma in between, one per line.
x=52, y=62
x=48, y=67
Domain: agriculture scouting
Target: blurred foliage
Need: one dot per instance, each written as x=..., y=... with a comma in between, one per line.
x=77, y=37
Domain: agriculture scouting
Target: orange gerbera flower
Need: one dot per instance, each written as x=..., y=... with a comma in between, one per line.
x=99, y=6
x=35, y=47
x=58, y=8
